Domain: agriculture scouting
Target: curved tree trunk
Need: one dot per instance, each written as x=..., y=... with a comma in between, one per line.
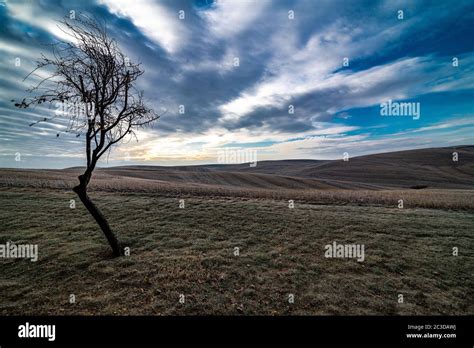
x=81, y=191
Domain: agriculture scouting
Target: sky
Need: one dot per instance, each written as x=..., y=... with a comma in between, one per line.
x=302, y=79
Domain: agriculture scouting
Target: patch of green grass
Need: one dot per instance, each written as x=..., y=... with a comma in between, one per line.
x=191, y=251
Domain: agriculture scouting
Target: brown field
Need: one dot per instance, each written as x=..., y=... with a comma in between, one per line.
x=190, y=251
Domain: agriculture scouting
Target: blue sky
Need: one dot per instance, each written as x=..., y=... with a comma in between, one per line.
x=282, y=61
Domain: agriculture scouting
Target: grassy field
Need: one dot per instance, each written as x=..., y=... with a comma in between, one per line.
x=283, y=188
x=190, y=251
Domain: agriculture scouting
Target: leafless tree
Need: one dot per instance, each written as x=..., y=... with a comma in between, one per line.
x=91, y=71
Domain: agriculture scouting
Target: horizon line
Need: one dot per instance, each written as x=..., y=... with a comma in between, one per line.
x=242, y=163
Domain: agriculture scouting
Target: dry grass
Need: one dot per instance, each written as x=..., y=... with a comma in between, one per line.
x=456, y=199
x=190, y=251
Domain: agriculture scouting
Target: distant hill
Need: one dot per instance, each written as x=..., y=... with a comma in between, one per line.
x=417, y=169
x=432, y=167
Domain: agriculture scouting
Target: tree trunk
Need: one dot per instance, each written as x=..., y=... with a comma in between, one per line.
x=81, y=191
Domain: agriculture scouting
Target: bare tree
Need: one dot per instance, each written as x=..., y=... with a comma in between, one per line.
x=93, y=75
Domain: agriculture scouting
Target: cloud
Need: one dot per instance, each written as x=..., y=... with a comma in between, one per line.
x=156, y=21
x=227, y=18
x=305, y=77
x=31, y=13
x=468, y=121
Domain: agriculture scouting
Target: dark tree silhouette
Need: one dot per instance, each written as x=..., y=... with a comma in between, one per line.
x=91, y=74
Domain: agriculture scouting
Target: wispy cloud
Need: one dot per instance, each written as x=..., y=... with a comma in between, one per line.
x=227, y=18
x=157, y=22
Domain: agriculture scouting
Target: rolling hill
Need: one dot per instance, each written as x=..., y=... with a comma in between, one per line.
x=423, y=168
x=405, y=169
